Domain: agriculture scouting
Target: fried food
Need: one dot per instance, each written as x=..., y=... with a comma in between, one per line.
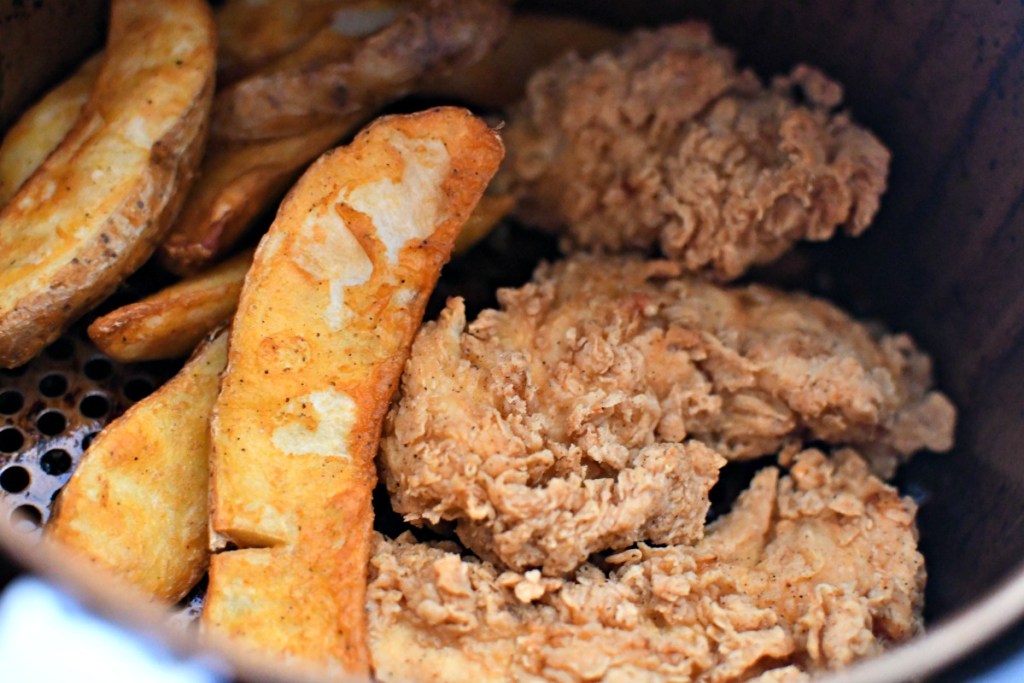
x=327, y=314
x=252, y=33
x=242, y=179
x=809, y=572
x=95, y=209
x=573, y=407
x=42, y=127
x=351, y=66
x=491, y=210
x=533, y=40
x=664, y=143
x=137, y=505
x=170, y=323
x=236, y=184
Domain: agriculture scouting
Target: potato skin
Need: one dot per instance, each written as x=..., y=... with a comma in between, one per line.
x=137, y=506
x=95, y=210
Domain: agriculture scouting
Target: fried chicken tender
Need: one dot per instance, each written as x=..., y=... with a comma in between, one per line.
x=664, y=142
x=809, y=572
x=586, y=413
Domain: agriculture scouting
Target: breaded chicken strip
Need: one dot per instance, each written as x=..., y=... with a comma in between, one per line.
x=808, y=572
x=663, y=142
x=572, y=420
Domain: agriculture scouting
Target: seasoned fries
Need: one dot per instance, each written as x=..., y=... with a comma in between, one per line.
x=41, y=128
x=94, y=210
x=348, y=67
x=136, y=506
x=170, y=323
x=327, y=315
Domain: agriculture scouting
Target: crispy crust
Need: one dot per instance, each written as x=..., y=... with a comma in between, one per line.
x=170, y=323
x=95, y=210
x=663, y=143
x=42, y=127
x=327, y=314
x=136, y=506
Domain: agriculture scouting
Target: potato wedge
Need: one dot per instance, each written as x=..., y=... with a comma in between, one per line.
x=42, y=127
x=237, y=183
x=487, y=214
x=254, y=33
x=95, y=209
x=137, y=506
x=533, y=40
x=342, y=69
x=170, y=323
x=327, y=315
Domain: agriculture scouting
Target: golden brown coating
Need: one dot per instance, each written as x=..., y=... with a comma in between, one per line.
x=807, y=573
x=663, y=142
x=574, y=409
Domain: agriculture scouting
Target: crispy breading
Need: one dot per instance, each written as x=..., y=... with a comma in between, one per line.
x=544, y=424
x=664, y=143
x=327, y=314
x=95, y=209
x=137, y=504
x=807, y=573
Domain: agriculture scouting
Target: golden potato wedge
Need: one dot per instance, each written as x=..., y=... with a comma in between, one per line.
x=238, y=182
x=487, y=214
x=254, y=33
x=170, y=323
x=95, y=209
x=137, y=506
x=326, y=318
x=532, y=41
x=42, y=127
x=342, y=69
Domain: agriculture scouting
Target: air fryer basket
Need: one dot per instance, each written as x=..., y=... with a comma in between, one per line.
x=941, y=83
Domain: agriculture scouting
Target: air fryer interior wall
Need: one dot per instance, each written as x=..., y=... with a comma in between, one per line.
x=941, y=83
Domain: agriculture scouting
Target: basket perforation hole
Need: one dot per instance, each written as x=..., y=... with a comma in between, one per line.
x=55, y=462
x=87, y=440
x=11, y=439
x=94, y=406
x=53, y=385
x=98, y=369
x=11, y=401
x=26, y=519
x=62, y=349
x=51, y=422
x=137, y=389
x=15, y=479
